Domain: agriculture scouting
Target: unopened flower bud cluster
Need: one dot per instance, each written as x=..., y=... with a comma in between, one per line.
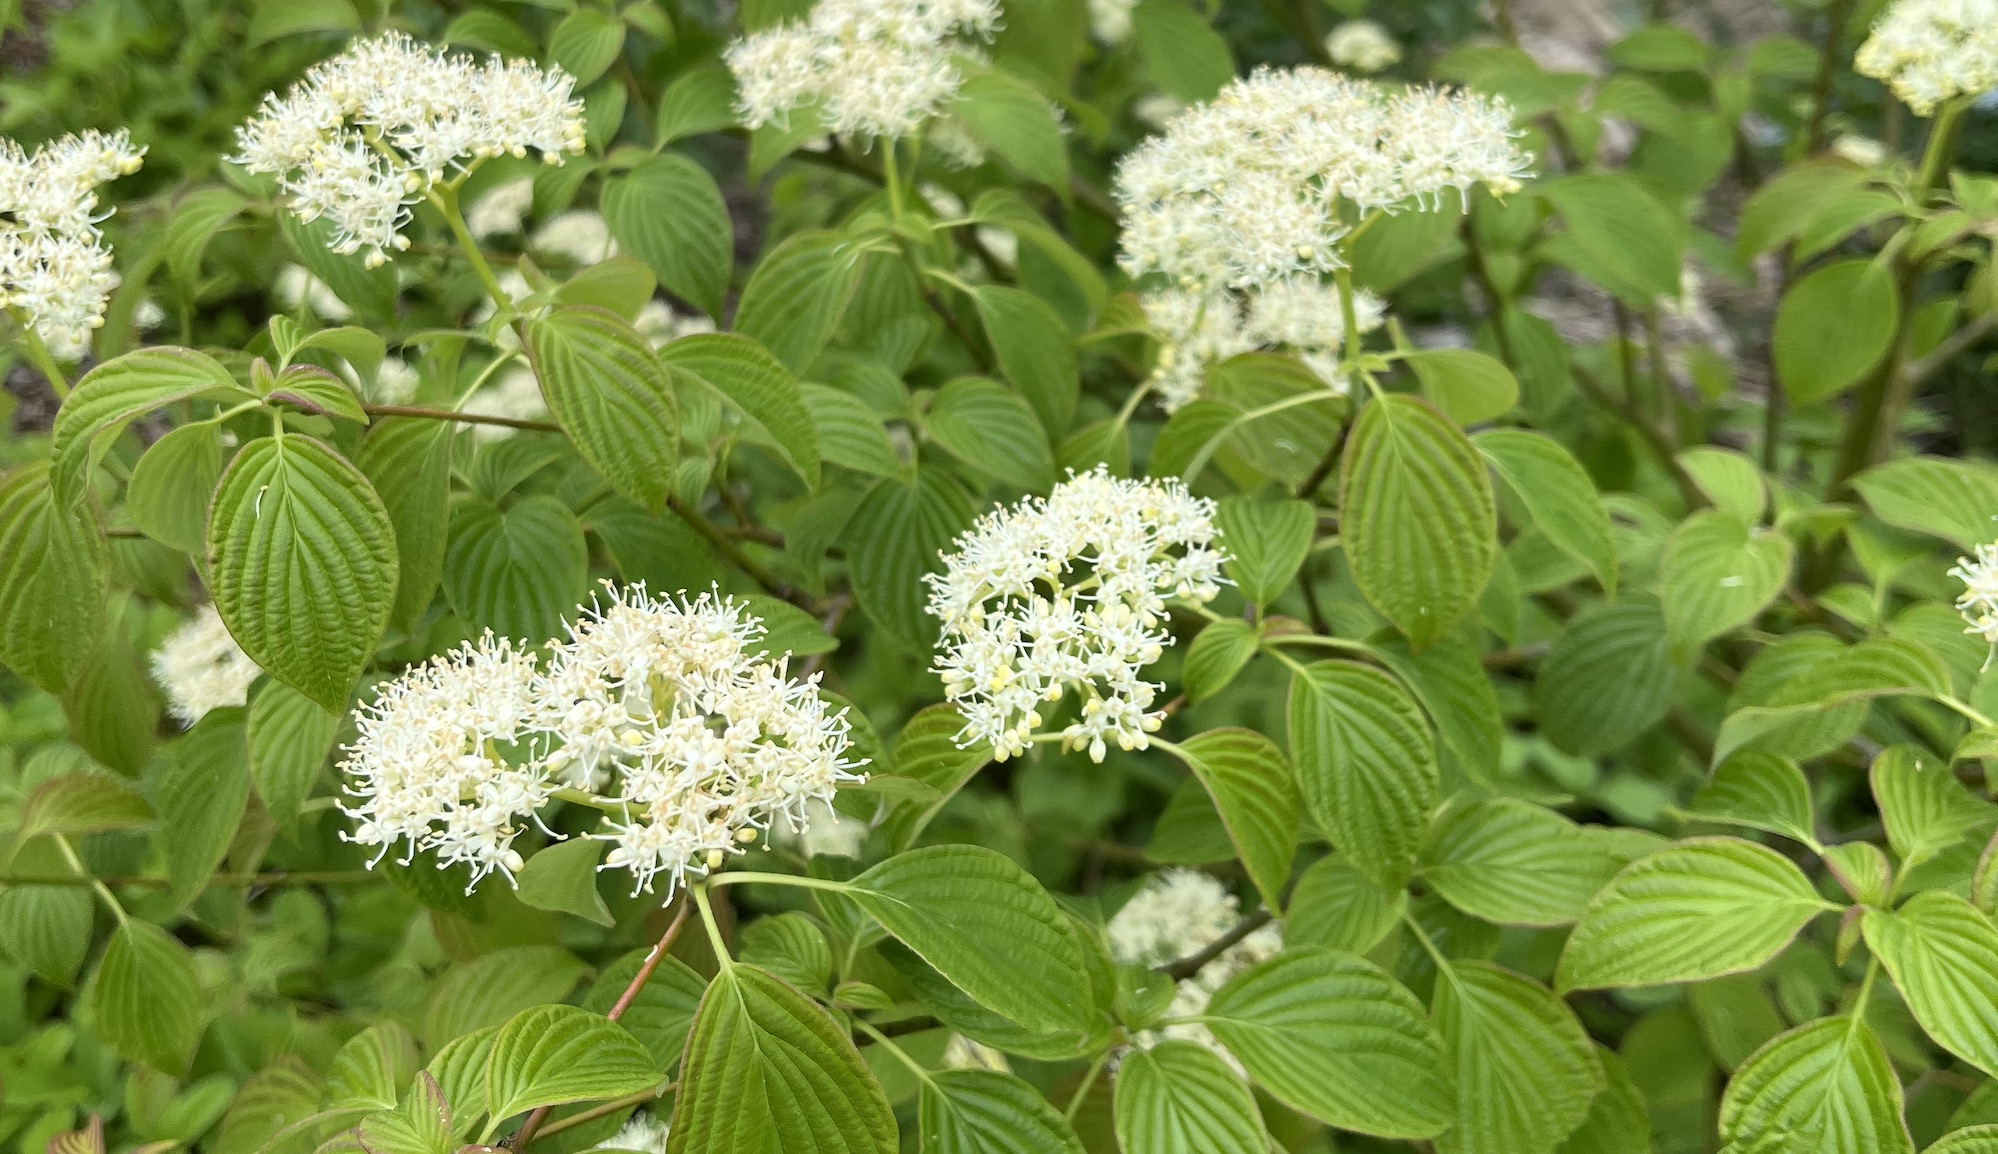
x=55, y=271
x=363, y=135
x=1178, y=913
x=872, y=68
x=1929, y=51
x=201, y=667
x=1979, y=603
x=1197, y=330
x=1069, y=593
x=657, y=708
x=1248, y=189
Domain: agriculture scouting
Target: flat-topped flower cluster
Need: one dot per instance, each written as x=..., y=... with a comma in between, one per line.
x=1197, y=330
x=55, y=271
x=1069, y=593
x=1979, y=603
x=656, y=710
x=361, y=137
x=872, y=68
x=1929, y=51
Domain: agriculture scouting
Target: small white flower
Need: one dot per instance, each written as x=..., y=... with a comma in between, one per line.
x=55, y=271
x=502, y=210
x=823, y=831
x=579, y=235
x=1362, y=46
x=295, y=287
x=873, y=68
x=1181, y=912
x=1197, y=330
x=658, y=323
x=1979, y=603
x=364, y=135
x=1928, y=51
x=395, y=382
x=1110, y=20
x=643, y=1133
x=1863, y=151
x=148, y=315
x=1069, y=593
x=201, y=667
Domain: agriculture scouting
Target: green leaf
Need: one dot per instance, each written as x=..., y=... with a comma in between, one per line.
x=520, y=572
x=304, y=564
x=371, y=1068
x=47, y=928
x=927, y=751
x=145, y=1000
x=1697, y=909
x=52, y=580
x=408, y=461
x=787, y=629
x=1179, y=1097
x=1419, y=524
x=1266, y=543
x=1943, y=498
x=1729, y=479
x=371, y=291
x=988, y=1112
x=563, y=877
x=1788, y=201
x=492, y=988
x=1332, y=1035
x=850, y=433
x=1366, y=764
x=767, y=1070
x=1877, y=667
x=1035, y=349
x=667, y=211
x=659, y=1016
x=289, y=738
x=1619, y=1120
x=1762, y=791
x=202, y=787
x=79, y=802
x=700, y=99
x=619, y=285
x=111, y=705
x=118, y=392
x=1825, y=1085
x=612, y=396
x=1557, y=493
x=490, y=31
x=1833, y=326
x=758, y=386
x=895, y=537
x=1013, y=119
x=1217, y=654
x=551, y=1055
x=1511, y=862
x=585, y=44
x=1254, y=792
x=1186, y=59
x=1607, y=678
x=421, y=1125
x=1619, y=234
x=1525, y=1070
x=198, y=215
x=796, y=296
x=791, y=946
x=989, y=427
x=1337, y=906
x=1719, y=573
x=171, y=486
x=1943, y=956
x=1925, y=809
x=986, y=925
x=1470, y=387
x=273, y=21
x=1450, y=683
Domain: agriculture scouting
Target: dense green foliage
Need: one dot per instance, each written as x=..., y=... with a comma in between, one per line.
x=1586, y=703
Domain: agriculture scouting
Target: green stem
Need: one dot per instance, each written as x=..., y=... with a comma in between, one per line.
x=445, y=197
x=1941, y=148
x=700, y=892
x=1829, y=59
x=882, y=1039
x=598, y=1111
x=891, y=178
x=1865, y=990
x=738, y=877
x=1971, y=714
x=1343, y=277
x=38, y=354
x=1341, y=643
x=1088, y=1081
x=1422, y=935
x=103, y=891
x=1213, y=444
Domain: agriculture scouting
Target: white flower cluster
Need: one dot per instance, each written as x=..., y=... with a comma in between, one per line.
x=1979, y=603
x=55, y=271
x=1181, y=912
x=201, y=667
x=707, y=742
x=1246, y=190
x=1069, y=592
x=1362, y=46
x=873, y=68
x=1928, y=51
x=643, y=1133
x=443, y=759
x=1110, y=20
x=363, y=135
x=656, y=707
x=1196, y=330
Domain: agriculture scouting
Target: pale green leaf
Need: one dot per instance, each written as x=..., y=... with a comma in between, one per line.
x=551, y=1055
x=1515, y=863
x=667, y=211
x=1558, y=493
x=144, y=1000
x=1256, y=795
x=1179, y=1098
x=1525, y=1069
x=1366, y=764
x=1825, y=1085
x=988, y=1112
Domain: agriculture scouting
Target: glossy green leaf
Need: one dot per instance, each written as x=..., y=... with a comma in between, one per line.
x=1719, y=573
x=1266, y=543
x=760, y=388
x=667, y=211
x=145, y=1000
x=1525, y=1069
x=1256, y=795
x=895, y=537
x=519, y=572
x=201, y=789
x=550, y=1055
x=992, y=429
x=1607, y=678
x=171, y=486
x=52, y=580
x=1470, y=387
x=408, y=461
x=1943, y=955
x=1178, y=1097
x=1515, y=863
x=1558, y=494
x=563, y=877
x=1217, y=654
x=988, y=1112
x=1366, y=764
x=1833, y=326
x=796, y=296
x=1825, y=1085
x=1943, y=498
x=117, y=392
x=1035, y=351
x=608, y=389
x=290, y=736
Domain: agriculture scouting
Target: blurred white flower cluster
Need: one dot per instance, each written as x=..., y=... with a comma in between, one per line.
x=1979, y=603
x=1928, y=51
x=364, y=135
x=1069, y=592
x=872, y=68
x=1179, y=913
x=55, y=272
x=1362, y=46
x=656, y=708
x=1110, y=20
x=1247, y=189
x=1196, y=330
x=643, y=1133
x=201, y=667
